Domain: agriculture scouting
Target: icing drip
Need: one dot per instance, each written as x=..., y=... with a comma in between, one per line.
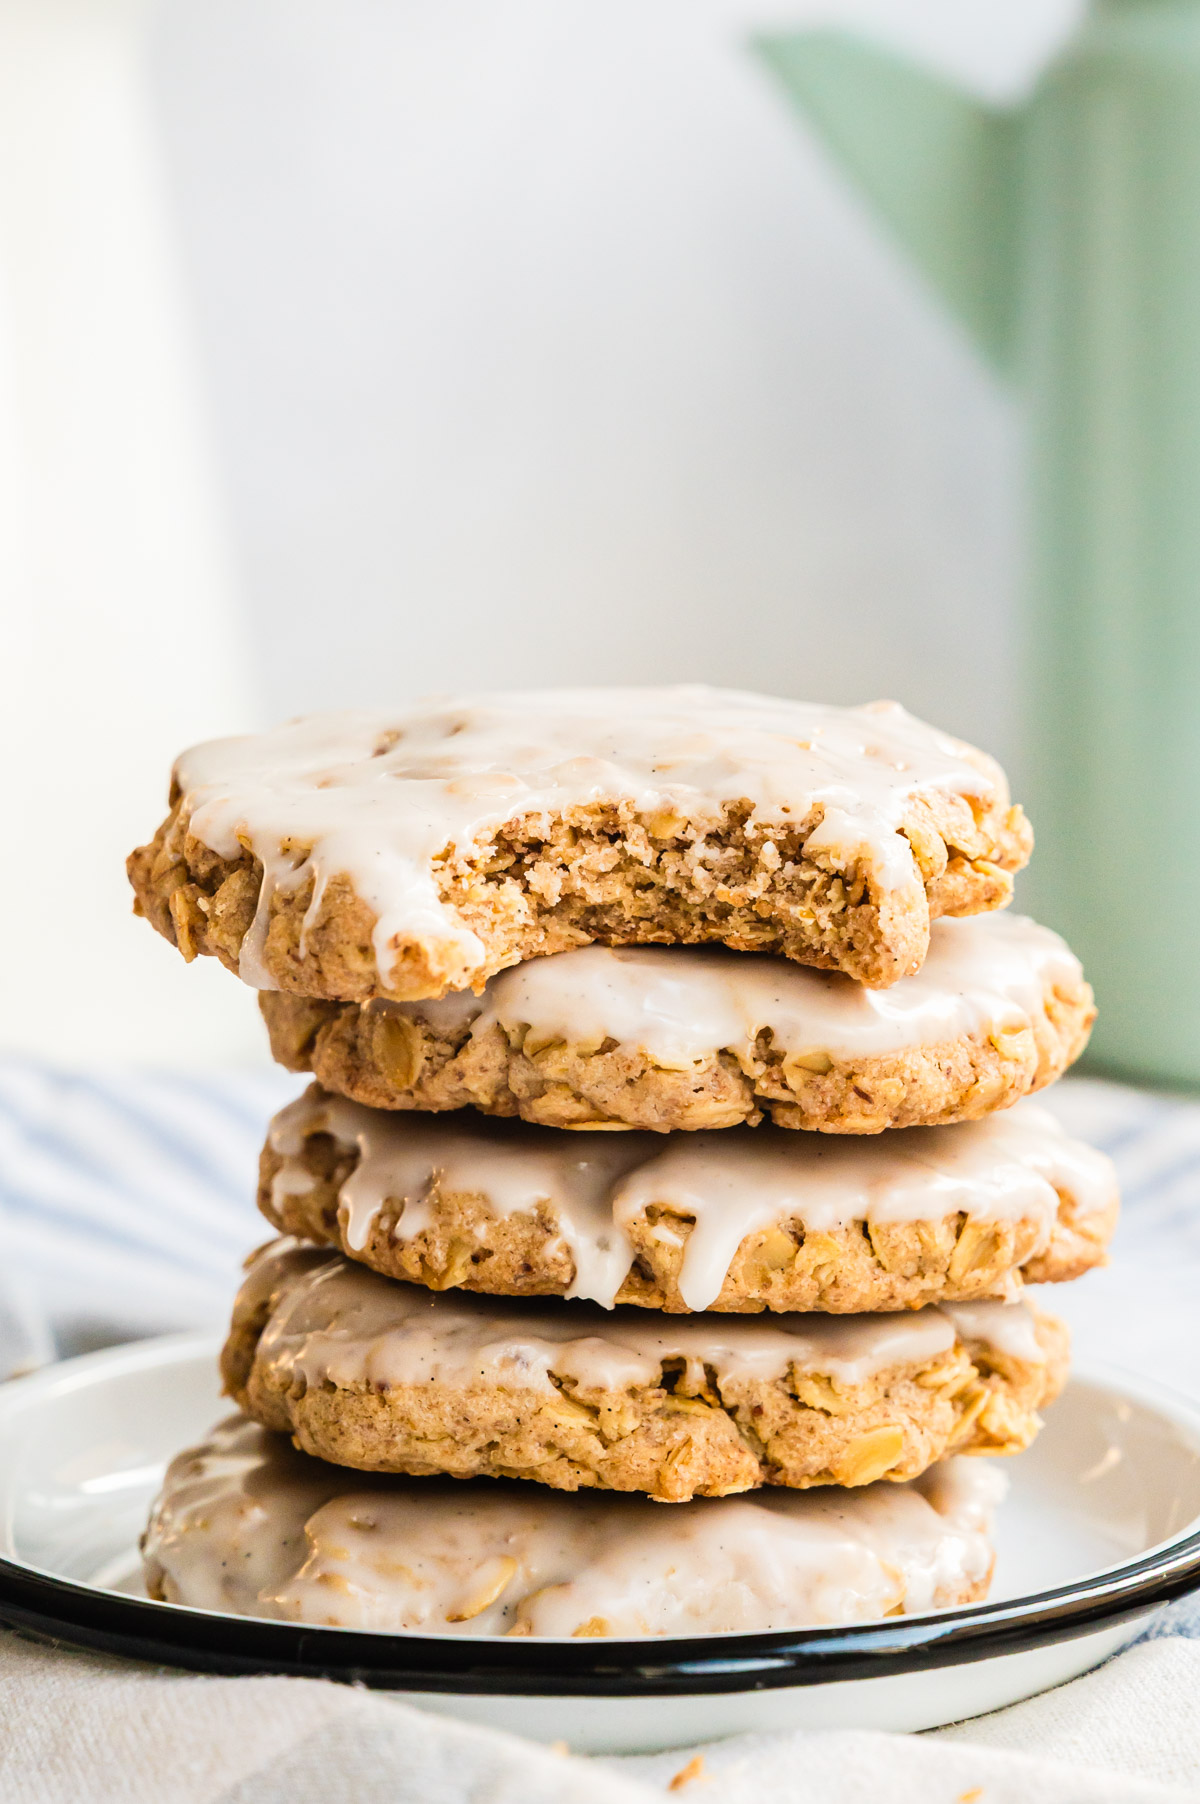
x=517, y=1178
x=247, y=1524
x=377, y=797
x=336, y=1321
x=731, y=1182
x=680, y=1005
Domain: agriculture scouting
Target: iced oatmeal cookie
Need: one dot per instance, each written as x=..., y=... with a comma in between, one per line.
x=678, y=1037
x=389, y=1377
x=406, y=854
x=247, y=1525
x=743, y=1219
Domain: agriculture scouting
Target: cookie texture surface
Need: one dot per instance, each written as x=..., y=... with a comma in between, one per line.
x=408, y=854
x=247, y=1525
x=384, y=1377
x=670, y=1038
x=743, y=1220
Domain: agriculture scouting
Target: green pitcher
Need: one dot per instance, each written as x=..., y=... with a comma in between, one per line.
x=1065, y=235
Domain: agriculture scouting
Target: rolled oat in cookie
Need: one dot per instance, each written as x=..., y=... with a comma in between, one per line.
x=247, y=1525
x=674, y=1037
x=743, y=1219
x=408, y=853
x=390, y=1377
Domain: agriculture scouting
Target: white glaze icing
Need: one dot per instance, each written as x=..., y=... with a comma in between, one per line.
x=336, y=1321
x=732, y=1182
x=246, y=1524
x=377, y=796
x=680, y=1005
x=999, y=1326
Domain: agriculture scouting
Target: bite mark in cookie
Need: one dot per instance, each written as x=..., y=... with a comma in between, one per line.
x=406, y=854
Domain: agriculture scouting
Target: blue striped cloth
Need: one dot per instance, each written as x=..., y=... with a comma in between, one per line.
x=126, y=1200
x=127, y=1207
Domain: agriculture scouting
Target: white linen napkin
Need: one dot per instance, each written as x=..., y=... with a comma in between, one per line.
x=80, y=1727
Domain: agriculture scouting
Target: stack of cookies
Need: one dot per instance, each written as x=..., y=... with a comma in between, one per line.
x=667, y=1146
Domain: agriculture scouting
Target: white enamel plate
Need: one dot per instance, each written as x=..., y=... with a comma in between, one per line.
x=1102, y=1524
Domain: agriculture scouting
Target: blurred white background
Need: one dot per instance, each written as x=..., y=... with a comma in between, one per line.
x=479, y=342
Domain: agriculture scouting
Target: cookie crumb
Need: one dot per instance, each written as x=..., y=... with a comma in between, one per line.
x=693, y=1770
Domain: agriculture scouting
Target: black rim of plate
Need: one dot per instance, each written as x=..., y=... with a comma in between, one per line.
x=49, y=1608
